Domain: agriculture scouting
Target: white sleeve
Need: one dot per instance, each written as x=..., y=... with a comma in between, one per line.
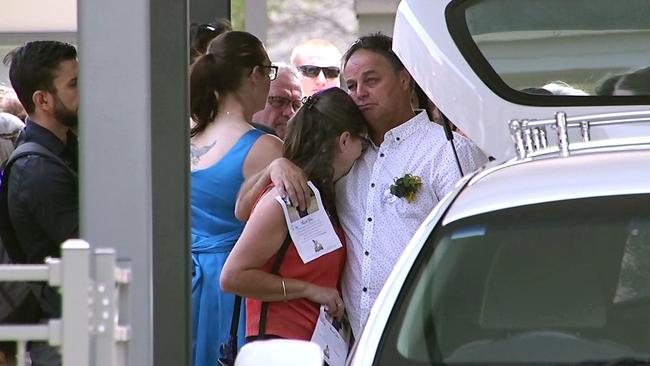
x=471, y=156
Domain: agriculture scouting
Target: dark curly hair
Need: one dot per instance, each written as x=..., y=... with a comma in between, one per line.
x=378, y=43
x=312, y=134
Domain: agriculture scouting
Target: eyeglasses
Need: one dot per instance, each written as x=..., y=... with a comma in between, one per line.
x=282, y=102
x=312, y=71
x=273, y=71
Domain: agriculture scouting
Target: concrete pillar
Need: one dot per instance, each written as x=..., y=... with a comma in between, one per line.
x=207, y=11
x=134, y=161
x=256, y=19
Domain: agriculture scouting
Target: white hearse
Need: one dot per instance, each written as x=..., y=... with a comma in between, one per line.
x=543, y=256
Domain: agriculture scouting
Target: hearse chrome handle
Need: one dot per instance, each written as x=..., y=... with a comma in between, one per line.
x=530, y=136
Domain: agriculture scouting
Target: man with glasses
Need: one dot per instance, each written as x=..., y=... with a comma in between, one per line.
x=282, y=103
x=318, y=63
x=407, y=169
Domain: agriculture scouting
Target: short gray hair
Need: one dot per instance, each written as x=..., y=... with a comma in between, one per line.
x=285, y=67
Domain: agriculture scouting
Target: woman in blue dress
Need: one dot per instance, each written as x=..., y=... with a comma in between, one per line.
x=227, y=86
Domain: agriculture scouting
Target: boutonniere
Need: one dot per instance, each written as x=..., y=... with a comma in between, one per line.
x=406, y=187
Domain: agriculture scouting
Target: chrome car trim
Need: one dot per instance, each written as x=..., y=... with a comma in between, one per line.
x=590, y=147
x=562, y=133
x=523, y=132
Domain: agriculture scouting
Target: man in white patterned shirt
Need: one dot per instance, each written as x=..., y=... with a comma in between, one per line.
x=378, y=224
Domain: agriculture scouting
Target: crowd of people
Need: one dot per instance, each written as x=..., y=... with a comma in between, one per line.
x=346, y=124
x=260, y=129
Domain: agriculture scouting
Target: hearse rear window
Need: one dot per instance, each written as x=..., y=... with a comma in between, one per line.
x=556, y=47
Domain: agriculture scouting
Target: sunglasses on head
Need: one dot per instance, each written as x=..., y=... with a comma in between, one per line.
x=312, y=71
x=207, y=27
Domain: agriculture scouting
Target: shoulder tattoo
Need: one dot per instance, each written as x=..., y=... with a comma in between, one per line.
x=196, y=152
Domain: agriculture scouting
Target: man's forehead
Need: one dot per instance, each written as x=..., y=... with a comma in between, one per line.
x=364, y=62
x=67, y=69
x=356, y=71
x=286, y=84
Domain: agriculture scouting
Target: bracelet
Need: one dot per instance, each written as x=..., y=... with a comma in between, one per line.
x=284, y=290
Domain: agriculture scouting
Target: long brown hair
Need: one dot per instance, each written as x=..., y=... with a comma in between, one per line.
x=230, y=57
x=312, y=137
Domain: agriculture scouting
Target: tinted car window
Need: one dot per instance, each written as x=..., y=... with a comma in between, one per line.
x=556, y=47
x=510, y=286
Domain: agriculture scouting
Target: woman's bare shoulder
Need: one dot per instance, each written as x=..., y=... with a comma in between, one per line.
x=266, y=149
x=268, y=211
x=268, y=142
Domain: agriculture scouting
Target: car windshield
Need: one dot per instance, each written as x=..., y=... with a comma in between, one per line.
x=556, y=283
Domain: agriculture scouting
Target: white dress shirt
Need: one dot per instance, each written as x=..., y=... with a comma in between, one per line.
x=379, y=225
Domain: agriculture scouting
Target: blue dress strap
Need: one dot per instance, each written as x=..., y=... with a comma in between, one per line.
x=244, y=145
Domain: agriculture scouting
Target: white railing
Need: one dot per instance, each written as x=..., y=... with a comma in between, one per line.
x=90, y=315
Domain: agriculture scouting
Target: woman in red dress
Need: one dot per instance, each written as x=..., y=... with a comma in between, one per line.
x=325, y=138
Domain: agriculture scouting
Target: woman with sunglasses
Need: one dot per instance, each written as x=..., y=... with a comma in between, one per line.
x=325, y=138
x=227, y=86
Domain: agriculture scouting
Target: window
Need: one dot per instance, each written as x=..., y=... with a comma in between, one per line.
x=556, y=47
x=507, y=286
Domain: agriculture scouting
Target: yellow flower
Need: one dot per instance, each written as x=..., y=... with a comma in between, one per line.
x=406, y=187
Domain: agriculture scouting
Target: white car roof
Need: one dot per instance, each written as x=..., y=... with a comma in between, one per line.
x=532, y=181
x=422, y=40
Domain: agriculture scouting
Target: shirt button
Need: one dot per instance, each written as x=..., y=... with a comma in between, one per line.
x=366, y=252
x=369, y=219
x=365, y=289
x=372, y=185
x=397, y=138
x=381, y=155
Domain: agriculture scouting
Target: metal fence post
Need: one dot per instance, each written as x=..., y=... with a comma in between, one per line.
x=104, y=307
x=94, y=328
x=110, y=322
x=123, y=331
x=75, y=289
